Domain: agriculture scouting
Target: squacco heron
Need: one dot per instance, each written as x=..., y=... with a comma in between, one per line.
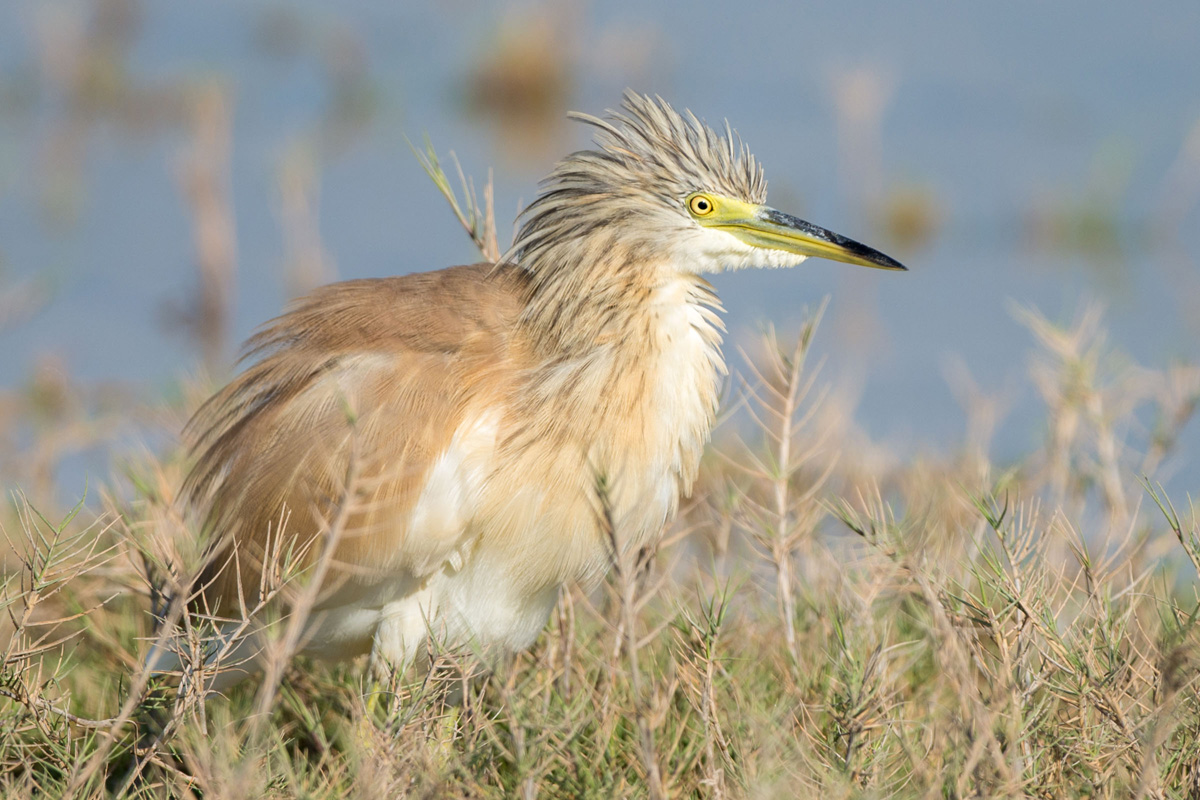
x=452, y=426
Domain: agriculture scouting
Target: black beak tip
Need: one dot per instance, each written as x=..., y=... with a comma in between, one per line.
x=875, y=257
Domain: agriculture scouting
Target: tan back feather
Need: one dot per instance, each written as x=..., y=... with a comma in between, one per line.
x=383, y=368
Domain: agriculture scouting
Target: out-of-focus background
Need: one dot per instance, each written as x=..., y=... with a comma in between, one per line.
x=170, y=173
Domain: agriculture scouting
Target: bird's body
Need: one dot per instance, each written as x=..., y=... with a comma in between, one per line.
x=451, y=430
x=473, y=447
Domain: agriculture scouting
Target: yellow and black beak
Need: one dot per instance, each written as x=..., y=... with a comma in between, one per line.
x=762, y=226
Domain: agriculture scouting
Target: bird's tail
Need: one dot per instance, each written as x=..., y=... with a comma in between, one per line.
x=225, y=657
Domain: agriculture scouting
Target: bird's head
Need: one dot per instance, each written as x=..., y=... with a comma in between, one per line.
x=667, y=188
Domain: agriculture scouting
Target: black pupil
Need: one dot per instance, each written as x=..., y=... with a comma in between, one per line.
x=702, y=205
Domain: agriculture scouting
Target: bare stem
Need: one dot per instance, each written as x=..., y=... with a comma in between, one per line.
x=625, y=567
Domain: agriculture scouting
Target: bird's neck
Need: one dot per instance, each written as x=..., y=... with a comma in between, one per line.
x=631, y=351
x=598, y=292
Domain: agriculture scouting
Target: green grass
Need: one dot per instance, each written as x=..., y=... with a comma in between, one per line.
x=822, y=620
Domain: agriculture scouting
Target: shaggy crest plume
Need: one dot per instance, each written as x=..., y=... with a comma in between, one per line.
x=648, y=150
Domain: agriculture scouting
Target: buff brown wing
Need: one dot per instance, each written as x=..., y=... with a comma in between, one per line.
x=353, y=395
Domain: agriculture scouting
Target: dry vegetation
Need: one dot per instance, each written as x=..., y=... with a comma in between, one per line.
x=821, y=619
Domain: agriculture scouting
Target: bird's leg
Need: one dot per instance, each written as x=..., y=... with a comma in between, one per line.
x=404, y=628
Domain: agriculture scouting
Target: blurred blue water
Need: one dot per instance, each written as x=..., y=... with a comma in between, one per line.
x=997, y=111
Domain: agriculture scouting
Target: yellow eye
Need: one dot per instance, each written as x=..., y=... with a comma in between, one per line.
x=700, y=205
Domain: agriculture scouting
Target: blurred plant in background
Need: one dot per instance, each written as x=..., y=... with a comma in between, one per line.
x=83, y=64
